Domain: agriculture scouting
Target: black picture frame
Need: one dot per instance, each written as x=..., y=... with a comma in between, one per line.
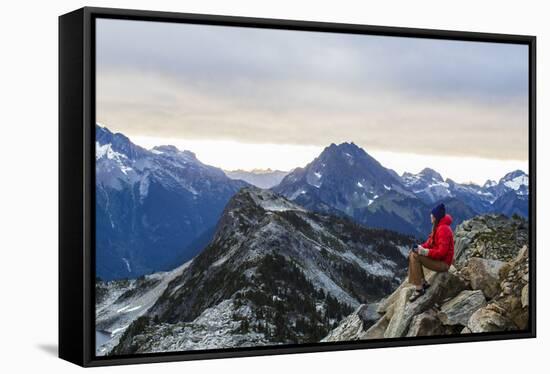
x=77, y=170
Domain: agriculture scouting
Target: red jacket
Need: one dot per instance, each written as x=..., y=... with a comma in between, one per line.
x=443, y=247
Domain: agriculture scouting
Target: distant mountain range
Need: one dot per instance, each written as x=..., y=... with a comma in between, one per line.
x=158, y=208
x=429, y=186
x=344, y=179
x=263, y=178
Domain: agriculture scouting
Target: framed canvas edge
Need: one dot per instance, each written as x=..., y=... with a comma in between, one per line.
x=89, y=14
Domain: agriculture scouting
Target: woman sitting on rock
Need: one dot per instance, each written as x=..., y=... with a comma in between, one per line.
x=435, y=254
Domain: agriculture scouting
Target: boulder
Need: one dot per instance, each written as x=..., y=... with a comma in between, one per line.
x=386, y=305
x=348, y=329
x=458, y=310
x=462, y=242
x=377, y=330
x=443, y=286
x=426, y=324
x=400, y=316
x=354, y=326
x=490, y=318
x=368, y=314
x=484, y=275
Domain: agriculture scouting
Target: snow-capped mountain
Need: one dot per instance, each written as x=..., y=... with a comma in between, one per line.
x=516, y=181
x=155, y=208
x=346, y=180
x=428, y=185
x=273, y=273
x=511, y=194
x=343, y=178
x=263, y=178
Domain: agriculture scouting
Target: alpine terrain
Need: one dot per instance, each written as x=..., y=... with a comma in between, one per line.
x=273, y=273
x=191, y=257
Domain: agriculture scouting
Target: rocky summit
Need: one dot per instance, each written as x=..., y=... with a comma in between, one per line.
x=486, y=290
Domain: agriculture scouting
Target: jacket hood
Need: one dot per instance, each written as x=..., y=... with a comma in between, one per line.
x=447, y=220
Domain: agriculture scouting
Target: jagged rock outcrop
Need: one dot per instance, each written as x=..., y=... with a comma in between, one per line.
x=351, y=328
x=488, y=290
x=490, y=318
x=444, y=286
x=426, y=324
x=494, y=237
x=459, y=310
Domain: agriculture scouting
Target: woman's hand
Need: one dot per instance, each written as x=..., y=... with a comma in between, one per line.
x=422, y=251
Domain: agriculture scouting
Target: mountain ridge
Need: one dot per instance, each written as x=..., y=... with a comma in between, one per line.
x=152, y=206
x=274, y=266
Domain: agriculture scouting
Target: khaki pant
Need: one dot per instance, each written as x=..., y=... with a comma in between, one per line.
x=416, y=264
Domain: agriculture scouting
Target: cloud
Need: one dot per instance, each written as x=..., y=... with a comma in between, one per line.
x=303, y=88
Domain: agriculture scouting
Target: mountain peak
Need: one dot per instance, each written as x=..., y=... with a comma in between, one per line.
x=517, y=180
x=347, y=147
x=513, y=174
x=105, y=136
x=118, y=142
x=431, y=174
x=343, y=178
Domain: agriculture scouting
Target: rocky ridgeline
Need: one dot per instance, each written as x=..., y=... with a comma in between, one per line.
x=486, y=290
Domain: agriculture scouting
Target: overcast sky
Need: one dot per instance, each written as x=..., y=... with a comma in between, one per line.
x=293, y=92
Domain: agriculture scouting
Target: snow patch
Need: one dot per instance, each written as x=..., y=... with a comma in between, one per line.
x=106, y=150
x=272, y=202
x=297, y=193
x=404, y=250
x=128, y=309
x=517, y=182
x=127, y=264
x=374, y=268
x=120, y=329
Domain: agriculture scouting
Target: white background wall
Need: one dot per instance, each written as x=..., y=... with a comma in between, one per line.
x=28, y=184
